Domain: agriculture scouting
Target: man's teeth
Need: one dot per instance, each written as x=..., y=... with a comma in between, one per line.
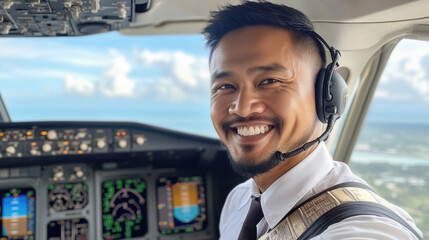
x=250, y=131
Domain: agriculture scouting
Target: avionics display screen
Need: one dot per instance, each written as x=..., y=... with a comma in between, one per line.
x=68, y=229
x=17, y=211
x=124, y=208
x=68, y=196
x=181, y=204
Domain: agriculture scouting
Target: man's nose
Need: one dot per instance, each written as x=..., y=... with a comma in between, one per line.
x=246, y=103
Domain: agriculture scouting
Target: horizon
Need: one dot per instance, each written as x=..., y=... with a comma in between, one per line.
x=162, y=81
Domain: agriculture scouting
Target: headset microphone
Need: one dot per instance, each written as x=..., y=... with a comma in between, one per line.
x=331, y=93
x=283, y=156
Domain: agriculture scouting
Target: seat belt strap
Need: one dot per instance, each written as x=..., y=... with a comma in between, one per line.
x=333, y=205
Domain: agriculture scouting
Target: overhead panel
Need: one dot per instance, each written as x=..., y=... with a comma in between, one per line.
x=37, y=18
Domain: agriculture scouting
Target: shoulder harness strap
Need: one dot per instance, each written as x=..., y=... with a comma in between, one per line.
x=333, y=205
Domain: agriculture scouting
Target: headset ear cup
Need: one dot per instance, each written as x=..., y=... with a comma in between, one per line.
x=319, y=87
x=338, y=89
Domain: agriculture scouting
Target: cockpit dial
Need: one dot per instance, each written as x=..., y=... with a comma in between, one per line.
x=70, y=196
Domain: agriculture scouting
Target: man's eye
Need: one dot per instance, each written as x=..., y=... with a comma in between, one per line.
x=225, y=86
x=268, y=81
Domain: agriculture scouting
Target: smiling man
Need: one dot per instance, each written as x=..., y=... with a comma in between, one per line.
x=264, y=64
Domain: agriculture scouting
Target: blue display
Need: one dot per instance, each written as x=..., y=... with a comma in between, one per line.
x=18, y=213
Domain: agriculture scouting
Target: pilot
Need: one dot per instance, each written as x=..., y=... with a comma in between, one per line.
x=266, y=63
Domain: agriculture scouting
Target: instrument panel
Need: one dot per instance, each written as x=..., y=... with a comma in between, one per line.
x=145, y=183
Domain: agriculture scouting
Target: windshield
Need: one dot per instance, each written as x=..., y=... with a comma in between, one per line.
x=157, y=80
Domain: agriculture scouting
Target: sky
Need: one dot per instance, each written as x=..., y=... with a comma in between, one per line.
x=160, y=80
x=402, y=94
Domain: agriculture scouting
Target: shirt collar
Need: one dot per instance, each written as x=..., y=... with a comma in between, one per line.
x=286, y=191
x=253, y=190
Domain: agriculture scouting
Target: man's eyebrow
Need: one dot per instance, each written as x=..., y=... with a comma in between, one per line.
x=267, y=68
x=217, y=75
x=262, y=68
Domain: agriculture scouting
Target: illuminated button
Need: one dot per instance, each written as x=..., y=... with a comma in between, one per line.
x=80, y=135
x=95, y=6
x=1, y=134
x=101, y=143
x=79, y=173
x=122, y=143
x=11, y=150
x=29, y=133
x=140, y=140
x=6, y=29
x=66, y=143
x=33, y=151
x=46, y=147
x=59, y=174
x=84, y=146
x=52, y=134
x=75, y=11
x=67, y=3
x=7, y=4
x=122, y=11
x=64, y=26
x=43, y=133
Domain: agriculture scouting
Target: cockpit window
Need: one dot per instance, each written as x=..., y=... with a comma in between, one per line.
x=158, y=80
x=392, y=151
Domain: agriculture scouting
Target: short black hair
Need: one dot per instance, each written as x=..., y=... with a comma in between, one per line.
x=232, y=17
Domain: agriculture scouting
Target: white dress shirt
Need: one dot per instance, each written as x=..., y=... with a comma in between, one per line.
x=314, y=174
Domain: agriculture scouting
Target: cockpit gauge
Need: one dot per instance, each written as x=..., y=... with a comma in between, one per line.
x=69, y=196
x=68, y=229
x=124, y=210
x=18, y=214
x=181, y=204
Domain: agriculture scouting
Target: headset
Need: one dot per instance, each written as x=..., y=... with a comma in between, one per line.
x=331, y=96
x=331, y=89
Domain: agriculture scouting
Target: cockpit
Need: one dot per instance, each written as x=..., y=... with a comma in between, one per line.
x=105, y=130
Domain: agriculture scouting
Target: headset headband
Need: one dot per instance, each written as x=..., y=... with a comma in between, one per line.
x=335, y=54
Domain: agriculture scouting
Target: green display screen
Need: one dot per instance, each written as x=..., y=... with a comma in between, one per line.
x=124, y=208
x=68, y=196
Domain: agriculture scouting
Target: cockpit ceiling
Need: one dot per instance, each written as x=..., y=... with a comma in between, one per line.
x=82, y=17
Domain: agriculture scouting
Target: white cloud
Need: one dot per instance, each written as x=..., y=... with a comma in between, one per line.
x=113, y=82
x=172, y=75
x=406, y=65
x=52, y=51
x=184, y=76
x=180, y=76
x=44, y=73
x=116, y=82
x=382, y=94
x=77, y=85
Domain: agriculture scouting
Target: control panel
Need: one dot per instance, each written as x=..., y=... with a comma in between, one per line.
x=29, y=140
x=110, y=180
x=36, y=18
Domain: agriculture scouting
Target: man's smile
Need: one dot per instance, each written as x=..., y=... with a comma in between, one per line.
x=249, y=133
x=250, y=127
x=252, y=130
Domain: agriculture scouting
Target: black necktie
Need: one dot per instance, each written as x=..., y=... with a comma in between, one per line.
x=248, y=230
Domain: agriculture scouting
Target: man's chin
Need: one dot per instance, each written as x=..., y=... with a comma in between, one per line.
x=248, y=167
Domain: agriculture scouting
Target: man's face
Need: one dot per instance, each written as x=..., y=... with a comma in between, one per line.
x=262, y=94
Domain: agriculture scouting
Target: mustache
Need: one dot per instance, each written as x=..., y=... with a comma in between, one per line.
x=237, y=119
